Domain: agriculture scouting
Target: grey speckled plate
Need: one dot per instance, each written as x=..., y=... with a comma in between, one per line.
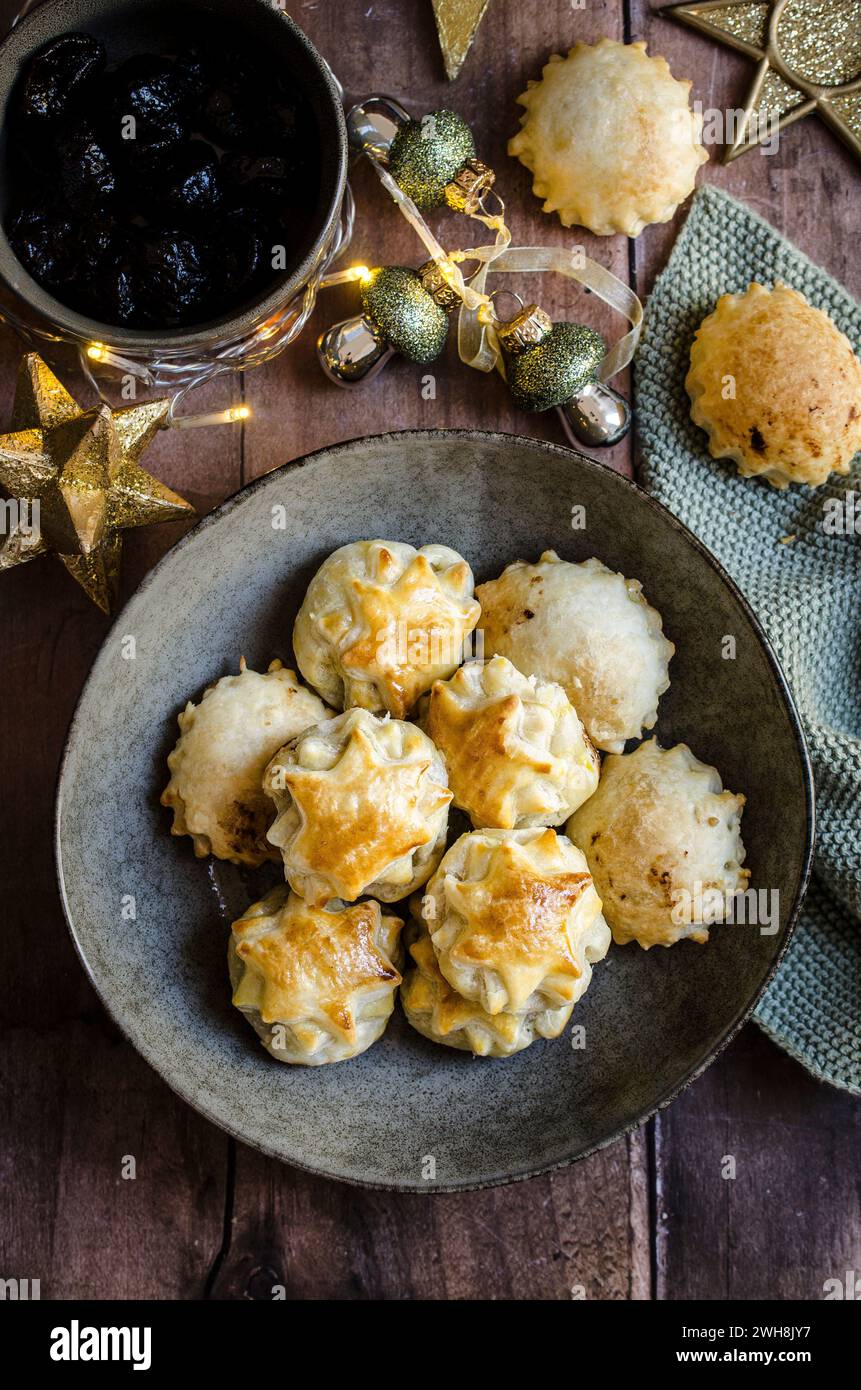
x=232, y=586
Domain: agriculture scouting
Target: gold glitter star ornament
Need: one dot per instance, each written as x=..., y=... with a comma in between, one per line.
x=808, y=55
x=75, y=474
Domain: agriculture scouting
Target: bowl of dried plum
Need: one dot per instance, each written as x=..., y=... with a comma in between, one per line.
x=171, y=174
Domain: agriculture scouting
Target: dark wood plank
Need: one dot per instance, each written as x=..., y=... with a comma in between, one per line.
x=790, y=1218
x=572, y=1234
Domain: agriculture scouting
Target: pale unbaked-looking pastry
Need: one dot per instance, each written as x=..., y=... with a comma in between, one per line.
x=516, y=752
x=610, y=138
x=515, y=920
x=588, y=629
x=218, y=762
x=663, y=841
x=438, y=1012
x=362, y=807
x=317, y=984
x=777, y=387
x=381, y=621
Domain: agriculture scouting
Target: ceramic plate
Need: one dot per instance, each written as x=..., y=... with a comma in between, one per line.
x=231, y=587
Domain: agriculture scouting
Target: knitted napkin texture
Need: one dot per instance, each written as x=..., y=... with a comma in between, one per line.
x=804, y=585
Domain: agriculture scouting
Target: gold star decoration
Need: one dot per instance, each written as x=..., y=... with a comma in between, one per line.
x=349, y=832
x=81, y=469
x=457, y=24
x=808, y=54
x=314, y=961
x=516, y=922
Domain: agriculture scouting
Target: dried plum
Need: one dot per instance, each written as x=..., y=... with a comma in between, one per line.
x=57, y=75
x=179, y=181
x=262, y=179
x=244, y=254
x=87, y=178
x=60, y=252
x=175, y=275
x=151, y=89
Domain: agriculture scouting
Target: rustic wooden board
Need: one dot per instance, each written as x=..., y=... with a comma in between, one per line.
x=207, y=1216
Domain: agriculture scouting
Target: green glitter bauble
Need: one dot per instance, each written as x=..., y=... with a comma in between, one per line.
x=556, y=368
x=396, y=301
x=425, y=155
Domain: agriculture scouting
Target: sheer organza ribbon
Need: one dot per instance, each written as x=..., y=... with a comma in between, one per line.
x=477, y=341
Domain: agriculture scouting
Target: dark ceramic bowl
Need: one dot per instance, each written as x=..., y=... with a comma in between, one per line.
x=134, y=26
x=231, y=587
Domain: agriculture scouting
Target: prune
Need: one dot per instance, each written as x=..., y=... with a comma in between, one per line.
x=262, y=179
x=244, y=254
x=151, y=89
x=179, y=181
x=87, y=178
x=119, y=295
x=175, y=276
x=56, y=76
x=57, y=251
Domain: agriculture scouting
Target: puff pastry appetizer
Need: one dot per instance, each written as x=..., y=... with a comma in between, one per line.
x=362, y=807
x=317, y=984
x=516, y=752
x=663, y=841
x=217, y=765
x=515, y=920
x=438, y=1012
x=588, y=629
x=382, y=621
x=777, y=387
x=610, y=138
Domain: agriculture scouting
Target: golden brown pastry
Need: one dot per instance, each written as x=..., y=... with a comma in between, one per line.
x=588, y=629
x=515, y=920
x=663, y=841
x=516, y=752
x=217, y=765
x=610, y=138
x=382, y=621
x=777, y=387
x=317, y=984
x=438, y=1012
x=362, y=807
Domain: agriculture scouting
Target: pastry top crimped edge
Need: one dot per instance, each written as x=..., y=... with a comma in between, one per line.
x=627, y=203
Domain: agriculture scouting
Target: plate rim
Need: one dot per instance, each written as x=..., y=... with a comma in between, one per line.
x=497, y=437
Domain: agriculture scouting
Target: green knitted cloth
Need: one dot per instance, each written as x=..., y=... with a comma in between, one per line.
x=807, y=595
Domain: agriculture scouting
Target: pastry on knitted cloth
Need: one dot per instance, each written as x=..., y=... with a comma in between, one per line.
x=610, y=138
x=777, y=387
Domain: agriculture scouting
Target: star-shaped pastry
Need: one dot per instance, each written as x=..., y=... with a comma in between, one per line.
x=363, y=814
x=488, y=762
x=312, y=962
x=808, y=59
x=411, y=630
x=516, y=923
x=77, y=471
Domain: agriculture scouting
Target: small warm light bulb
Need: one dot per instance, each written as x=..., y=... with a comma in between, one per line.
x=363, y=274
x=234, y=415
x=97, y=352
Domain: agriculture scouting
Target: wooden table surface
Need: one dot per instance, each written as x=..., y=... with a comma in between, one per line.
x=648, y=1217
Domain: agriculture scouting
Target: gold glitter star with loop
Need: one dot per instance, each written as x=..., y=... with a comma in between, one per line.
x=809, y=59
x=78, y=471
